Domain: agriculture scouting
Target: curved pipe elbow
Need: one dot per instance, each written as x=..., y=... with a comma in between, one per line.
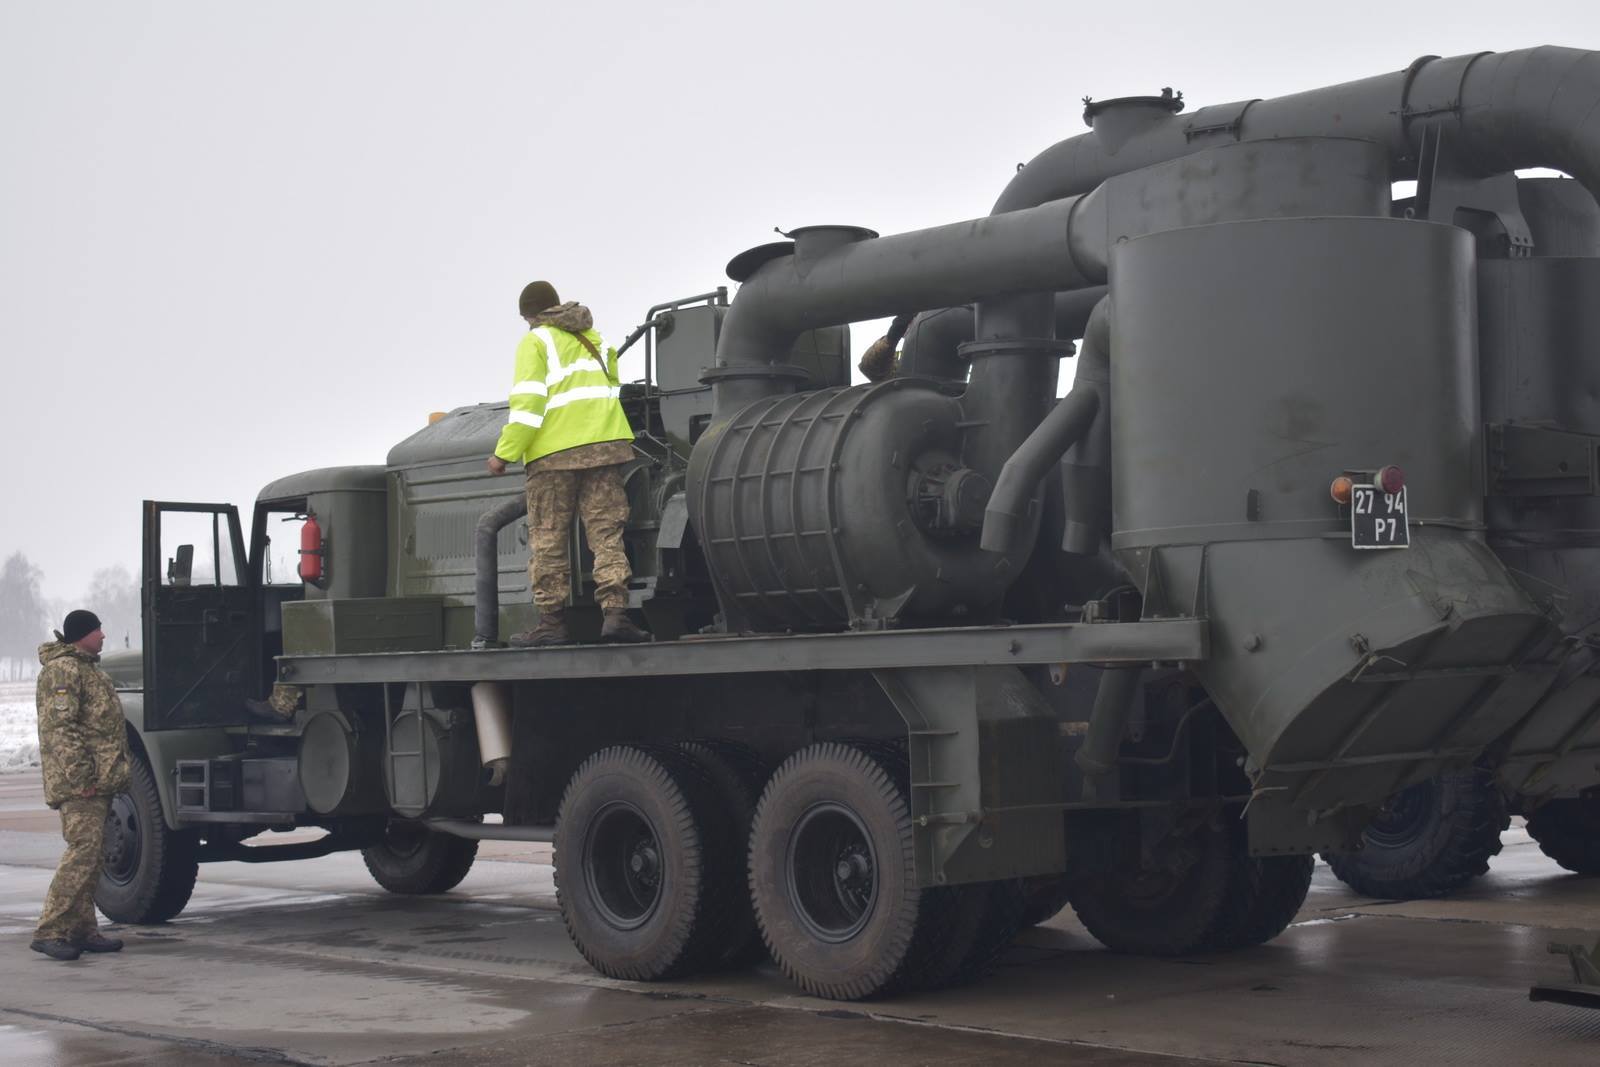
x=1020, y=477
x=1537, y=107
x=486, y=574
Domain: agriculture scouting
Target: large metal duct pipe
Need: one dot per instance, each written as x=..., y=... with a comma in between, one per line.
x=1086, y=469
x=1081, y=422
x=1043, y=249
x=1538, y=107
x=934, y=338
x=801, y=500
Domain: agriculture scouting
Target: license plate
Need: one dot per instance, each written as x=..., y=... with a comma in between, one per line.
x=1378, y=519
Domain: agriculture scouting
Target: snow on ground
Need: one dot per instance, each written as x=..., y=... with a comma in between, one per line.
x=19, y=727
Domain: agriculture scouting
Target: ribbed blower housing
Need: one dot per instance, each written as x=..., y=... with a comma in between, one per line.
x=845, y=506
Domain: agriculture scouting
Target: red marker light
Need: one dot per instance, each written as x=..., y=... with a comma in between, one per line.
x=1390, y=479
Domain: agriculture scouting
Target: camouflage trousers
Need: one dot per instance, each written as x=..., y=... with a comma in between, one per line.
x=596, y=496
x=69, y=905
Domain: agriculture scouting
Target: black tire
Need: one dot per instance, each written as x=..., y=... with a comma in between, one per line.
x=149, y=871
x=833, y=877
x=981, y=924
x=1159, y=912
x=1428, y=840
x=642, y=867
x=736, y=776
x=415, y=861
x=1043, y=897
x=1568, y=831
x=1264, y=894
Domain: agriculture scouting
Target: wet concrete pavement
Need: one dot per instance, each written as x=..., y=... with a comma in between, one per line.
x=310, y=962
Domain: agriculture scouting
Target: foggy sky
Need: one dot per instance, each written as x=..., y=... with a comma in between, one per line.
x=240, y=240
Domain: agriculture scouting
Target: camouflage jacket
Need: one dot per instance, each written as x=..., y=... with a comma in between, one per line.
x=83, y=743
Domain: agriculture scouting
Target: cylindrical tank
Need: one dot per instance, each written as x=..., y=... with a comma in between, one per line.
x=845, y=506
x=339, y=767
x=1252, y=363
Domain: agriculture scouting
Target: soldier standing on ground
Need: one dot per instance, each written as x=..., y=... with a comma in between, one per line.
x=567, y=426
x=83, y=751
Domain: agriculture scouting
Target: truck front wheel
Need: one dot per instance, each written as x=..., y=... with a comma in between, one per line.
x=414, y=860
x=148, y=871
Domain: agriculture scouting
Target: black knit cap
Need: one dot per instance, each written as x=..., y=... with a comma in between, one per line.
x=536, y=297
x=78, y=625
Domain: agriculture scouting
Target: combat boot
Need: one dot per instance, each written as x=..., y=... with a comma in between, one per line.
x=56, y=949
x=98, y=942
x=618, y=629
x=551, y=630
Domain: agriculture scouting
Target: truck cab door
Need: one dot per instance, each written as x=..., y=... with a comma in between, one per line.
x=201, y=649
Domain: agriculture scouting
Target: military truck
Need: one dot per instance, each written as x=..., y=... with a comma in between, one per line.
x=934, y=654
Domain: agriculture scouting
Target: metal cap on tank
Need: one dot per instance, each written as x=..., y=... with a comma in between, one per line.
x=1117, y=120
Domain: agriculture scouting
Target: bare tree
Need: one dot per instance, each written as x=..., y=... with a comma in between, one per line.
x=22, y=616
x=114, y=596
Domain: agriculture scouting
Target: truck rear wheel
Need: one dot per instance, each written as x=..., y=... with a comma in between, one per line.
x=833, y=877
x=148, y=871
x=1428, y=840
x=1168, y=910
x=642, y=864
x=1043, y=897
x=414, y=860
x=983, y=920
x=1263, y=896
x=1568, y=831
x=736, y=777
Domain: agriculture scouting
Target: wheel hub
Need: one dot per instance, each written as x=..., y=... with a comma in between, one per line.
x=1402, y=816
x=832, y=872
x=623, y=866
x=120, y=850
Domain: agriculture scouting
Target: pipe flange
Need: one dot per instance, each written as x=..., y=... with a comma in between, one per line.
x=1168, y=101
x=769, y=371
x=1044, y=347
x=742, y=267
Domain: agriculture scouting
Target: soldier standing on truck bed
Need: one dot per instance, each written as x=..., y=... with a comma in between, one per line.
x=567, y=426
x=83, y=751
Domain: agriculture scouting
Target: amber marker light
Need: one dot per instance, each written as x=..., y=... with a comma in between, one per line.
x=1340, y=489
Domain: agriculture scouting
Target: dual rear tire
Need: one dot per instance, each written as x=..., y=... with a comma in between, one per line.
x=664, y=867
x=666, y=864
x=649, y=861
x=1205, y=893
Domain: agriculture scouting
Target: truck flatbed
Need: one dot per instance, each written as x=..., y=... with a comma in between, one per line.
x=1166, y=641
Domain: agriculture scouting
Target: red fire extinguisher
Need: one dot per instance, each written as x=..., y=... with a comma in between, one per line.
x=311, y=551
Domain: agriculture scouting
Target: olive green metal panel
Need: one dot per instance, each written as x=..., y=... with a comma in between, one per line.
x=987, y=773
x=378, y=624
